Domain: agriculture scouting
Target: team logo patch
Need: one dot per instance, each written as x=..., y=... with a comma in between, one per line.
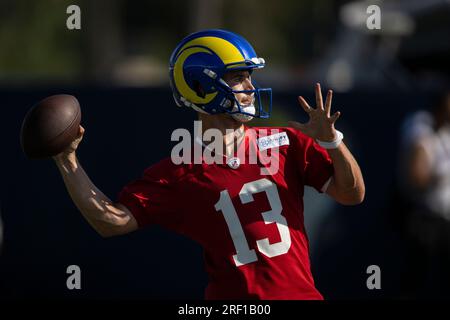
x=234, y=163
x=273, y=141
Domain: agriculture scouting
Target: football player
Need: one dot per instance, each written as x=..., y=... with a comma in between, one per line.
x=249, y=223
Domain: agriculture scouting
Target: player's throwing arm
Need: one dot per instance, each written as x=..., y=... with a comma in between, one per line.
x=52, y=129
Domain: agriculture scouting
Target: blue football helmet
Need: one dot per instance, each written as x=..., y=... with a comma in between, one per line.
x=197, y=67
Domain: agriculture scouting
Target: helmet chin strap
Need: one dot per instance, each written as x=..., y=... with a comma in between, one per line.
x=244, y=117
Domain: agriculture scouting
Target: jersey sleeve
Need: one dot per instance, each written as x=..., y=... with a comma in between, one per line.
x=315, y=164
x=151, y=199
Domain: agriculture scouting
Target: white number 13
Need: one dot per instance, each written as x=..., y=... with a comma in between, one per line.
x=244, y=254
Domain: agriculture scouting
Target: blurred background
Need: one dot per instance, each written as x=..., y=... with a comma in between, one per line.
x=391, y=85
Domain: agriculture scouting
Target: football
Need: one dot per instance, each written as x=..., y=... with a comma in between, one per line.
x=50, y=126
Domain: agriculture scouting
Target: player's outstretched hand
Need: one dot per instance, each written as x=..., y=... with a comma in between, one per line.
x=320, y=125
x=70, y=150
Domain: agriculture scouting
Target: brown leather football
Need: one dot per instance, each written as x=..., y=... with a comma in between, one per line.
x=50, y=126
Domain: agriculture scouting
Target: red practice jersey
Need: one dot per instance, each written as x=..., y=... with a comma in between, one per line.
x=249, y=223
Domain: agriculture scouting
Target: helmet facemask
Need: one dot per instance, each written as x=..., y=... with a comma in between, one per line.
x=245, y=113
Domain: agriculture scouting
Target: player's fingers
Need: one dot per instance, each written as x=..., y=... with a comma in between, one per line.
x=304, y=104
x=80, y=133
x=319, y=101
x=335, y=116
x=328, y=102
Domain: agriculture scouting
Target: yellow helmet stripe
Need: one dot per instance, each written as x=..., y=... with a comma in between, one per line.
x=226, y=51
x=180, y=81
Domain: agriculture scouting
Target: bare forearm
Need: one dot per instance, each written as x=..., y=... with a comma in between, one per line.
x=96, y=207
x=347, y=186
x=348, y=179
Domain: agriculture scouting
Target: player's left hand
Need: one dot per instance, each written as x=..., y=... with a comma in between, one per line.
x=320, y=125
